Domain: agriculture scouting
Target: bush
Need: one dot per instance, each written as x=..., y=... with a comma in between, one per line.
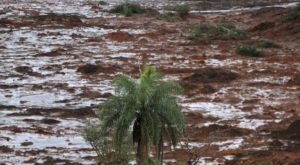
x=128, y=8
x=102, y=144
x=297, y=8
x=294, y=15
x=267, y=44
x=248, y=50
x=168, y=16
x=182, y=10
x=209, y=32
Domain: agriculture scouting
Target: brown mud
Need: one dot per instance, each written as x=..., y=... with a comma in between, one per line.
x=238, y=109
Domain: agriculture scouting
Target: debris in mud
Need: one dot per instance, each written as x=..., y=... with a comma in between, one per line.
x=51, y=160
x=64, y=19
x=160, y=32
x=88, y=69
x=95, y=39
x=58, y=112
x=26, y=143
x=92, y=68
x=6, y=86
x=27, y=70
x=208, y=89
x=119, y=36
x=52, y=53
x=263, y=26
x=49, y=121
x=93, y=94
x=212, y=76
x=5, y=149
x=295, y=80
x=216, y=130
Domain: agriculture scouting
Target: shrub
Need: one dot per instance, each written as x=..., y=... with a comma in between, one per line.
x=267, y=44
x=248, y=50
x=297, y=8
x=128, y=8
x=182, y=10
x=294, y=15
x=102, y=144
x=209, y=32
x=168, y=16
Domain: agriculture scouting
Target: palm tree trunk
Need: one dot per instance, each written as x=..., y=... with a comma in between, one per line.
x=160, y=150
x=142, y=151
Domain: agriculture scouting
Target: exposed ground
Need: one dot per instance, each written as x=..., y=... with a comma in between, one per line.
x=57, y=60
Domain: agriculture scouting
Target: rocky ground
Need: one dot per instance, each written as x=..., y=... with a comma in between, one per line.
x=57, y=60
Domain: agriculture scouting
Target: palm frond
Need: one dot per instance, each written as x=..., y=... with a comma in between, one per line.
x=124, y=85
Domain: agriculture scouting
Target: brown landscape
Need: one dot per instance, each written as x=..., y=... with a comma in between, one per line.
x=58, y=58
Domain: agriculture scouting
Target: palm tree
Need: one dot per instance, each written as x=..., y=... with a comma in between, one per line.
x=144, y=109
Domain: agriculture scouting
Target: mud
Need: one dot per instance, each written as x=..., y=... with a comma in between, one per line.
x=58, y=59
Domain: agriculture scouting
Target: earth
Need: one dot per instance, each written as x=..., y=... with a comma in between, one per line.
x=58, y=59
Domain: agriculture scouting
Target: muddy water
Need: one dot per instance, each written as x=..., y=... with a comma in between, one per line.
x=46, y=98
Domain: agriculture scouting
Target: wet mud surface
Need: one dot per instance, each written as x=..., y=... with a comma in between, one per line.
x=57, y=60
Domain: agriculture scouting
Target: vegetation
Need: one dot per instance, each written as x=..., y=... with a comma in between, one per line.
x=294, y=15
x=128, y=8
x=102, y=144
x=267, y=44
x=182, y=10
x=144, y=110
x=209, y=32
x=168, y=16
x=248, y=50
x=251, y=48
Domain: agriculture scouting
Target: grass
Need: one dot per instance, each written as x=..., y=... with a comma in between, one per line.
x=182, y=10
x=128, y=8
x=267, y=44
x=209, y=32
x=249, y=51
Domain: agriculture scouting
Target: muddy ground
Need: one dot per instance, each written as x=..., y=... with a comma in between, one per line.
x=57, y=60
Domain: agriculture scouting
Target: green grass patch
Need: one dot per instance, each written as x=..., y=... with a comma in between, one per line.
x=209, y=32
x=267, y=44
x=182, y=10
x=128, y=8
x=249, y=51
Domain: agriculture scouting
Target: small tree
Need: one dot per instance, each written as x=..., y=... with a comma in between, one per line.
x=145, y=110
